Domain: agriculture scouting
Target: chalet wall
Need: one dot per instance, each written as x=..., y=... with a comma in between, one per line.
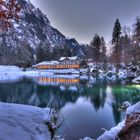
x=59, y=66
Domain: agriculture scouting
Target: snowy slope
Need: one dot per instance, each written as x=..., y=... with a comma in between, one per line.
x=21, y=122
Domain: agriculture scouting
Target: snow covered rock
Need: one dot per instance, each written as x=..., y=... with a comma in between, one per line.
x=110, y=73
x=87, y=138
x=126, y=104
x=131, y=130
x=136, y=80
x=122, y=73
x=126, y=129
x=112, y=134
x=22, y=122
x=133, y=109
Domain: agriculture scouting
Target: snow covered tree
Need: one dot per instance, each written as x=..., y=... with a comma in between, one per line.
x=96, y=45
x=116, y=36
x=9, y=10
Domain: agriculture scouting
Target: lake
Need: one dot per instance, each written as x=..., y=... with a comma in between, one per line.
x=88, y=104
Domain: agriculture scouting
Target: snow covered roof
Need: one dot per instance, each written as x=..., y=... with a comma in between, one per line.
x=70, y=58
x=47, y=63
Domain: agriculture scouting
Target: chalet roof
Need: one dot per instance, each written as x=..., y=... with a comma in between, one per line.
x=47, y=63
x=70, y=58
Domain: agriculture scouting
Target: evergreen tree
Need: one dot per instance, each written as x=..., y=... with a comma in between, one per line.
x=96, y=45
x=103, y=48
x=40, y=55
x=116, y=33
x=126, y=48
x=137, y=29
x=24, y=56
x=43, y=53
x=136, y=42
x=116, y=42
x=103, y=52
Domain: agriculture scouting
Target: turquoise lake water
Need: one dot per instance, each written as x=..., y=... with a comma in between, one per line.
x=86, y=104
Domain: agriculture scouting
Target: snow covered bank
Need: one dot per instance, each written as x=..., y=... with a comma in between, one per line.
x=63, y=71
x=10, y=73
x=131, y=120
x=13, y=73
x=22, y=122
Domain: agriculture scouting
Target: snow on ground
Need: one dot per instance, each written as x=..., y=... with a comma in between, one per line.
x=70, y=76
x=22, y=122
x=63, y=71
x=36, y=73
x=13, y=73
x=6, y=76
x=10, y=73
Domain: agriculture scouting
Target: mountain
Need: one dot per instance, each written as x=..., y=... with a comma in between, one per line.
x=33, y=39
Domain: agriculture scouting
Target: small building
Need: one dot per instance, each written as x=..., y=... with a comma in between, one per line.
x=63, y=63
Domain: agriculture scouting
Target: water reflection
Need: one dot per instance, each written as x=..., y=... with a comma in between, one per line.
x=52, y=80
x=87, y=103
x=84, y=120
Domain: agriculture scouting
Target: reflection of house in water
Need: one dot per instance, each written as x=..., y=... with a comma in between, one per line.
x=63, y=63
x=58, y=80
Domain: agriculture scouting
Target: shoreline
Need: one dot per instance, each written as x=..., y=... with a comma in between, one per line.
x=14, y=73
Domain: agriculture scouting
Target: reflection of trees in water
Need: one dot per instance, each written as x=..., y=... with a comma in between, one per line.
x=28, y=92
x=97, y=96
x=54, y=97
x=18, y=92
x=122, y=94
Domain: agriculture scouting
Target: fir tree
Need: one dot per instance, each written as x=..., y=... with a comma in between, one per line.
x=137, y=28
x=103, y=47
x=96, y=45
x=116, y=33
x=136, y=42
x=103, y=52
x=40, y=54
x=126, y=49
x=116, y=42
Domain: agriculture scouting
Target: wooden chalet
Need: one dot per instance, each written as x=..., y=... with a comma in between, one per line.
x=63, y=63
